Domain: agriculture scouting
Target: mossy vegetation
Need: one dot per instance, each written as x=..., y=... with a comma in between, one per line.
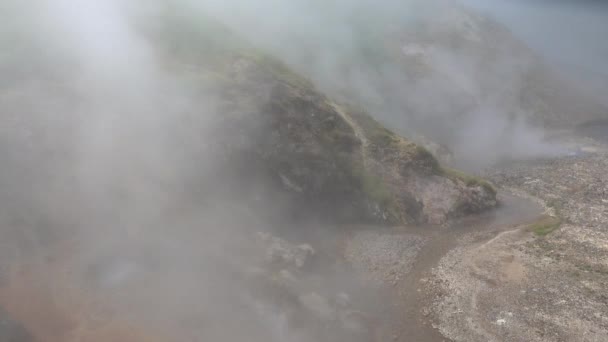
x=545, y=225
x=374, y=131
x=469, y=180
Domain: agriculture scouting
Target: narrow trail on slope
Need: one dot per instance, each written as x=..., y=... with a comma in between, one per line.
x=358, y=130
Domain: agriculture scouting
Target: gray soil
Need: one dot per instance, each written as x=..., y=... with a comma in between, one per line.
x=522, y=286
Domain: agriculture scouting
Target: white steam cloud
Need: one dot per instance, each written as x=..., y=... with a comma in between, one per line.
x=104, y=143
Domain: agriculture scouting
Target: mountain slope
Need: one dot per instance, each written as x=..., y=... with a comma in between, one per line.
x=329, y=157
x=431, y=68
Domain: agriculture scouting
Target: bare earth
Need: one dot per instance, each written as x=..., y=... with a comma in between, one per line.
x=520, y=286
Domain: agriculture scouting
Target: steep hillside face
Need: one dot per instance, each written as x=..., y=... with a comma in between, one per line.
x=326, y=157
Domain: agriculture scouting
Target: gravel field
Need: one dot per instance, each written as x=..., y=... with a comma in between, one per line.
x=383, y=257
x=535, y=283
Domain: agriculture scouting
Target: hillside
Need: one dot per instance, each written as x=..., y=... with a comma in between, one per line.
x=328, y=157
x=220, y=117
x=429, y=68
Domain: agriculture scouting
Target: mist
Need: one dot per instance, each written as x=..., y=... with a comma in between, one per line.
x=569, y=34
x=111, y=140
x=427, y=70
x=107, y=144
x=100, y=153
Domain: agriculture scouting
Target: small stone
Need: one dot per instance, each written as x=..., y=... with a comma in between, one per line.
x=343, y=299
x=318, y=305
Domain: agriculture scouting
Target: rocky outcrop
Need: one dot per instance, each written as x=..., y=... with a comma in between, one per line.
x=327, y=158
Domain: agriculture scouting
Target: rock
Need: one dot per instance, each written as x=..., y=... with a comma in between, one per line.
x=355, y=322
x=383, y=257
x=286, y=278
x=343, y=300
x=282, y=253
x=317, y=305
x=304, y=253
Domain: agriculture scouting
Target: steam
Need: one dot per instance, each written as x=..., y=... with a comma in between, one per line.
x=105, y=143
x=569, y=34
x=431, y=69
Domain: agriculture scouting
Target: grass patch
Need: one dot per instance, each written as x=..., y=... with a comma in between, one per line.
x=468, y=179
x=545, y=225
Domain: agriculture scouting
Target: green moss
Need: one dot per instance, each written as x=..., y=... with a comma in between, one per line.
x=374, y=131
x=469, y=180
x=545, y=225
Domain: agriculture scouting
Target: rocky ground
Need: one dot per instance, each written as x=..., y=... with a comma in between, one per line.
x=507, y=275
x=543, y=281
x=536, y=269
x=382, y=257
